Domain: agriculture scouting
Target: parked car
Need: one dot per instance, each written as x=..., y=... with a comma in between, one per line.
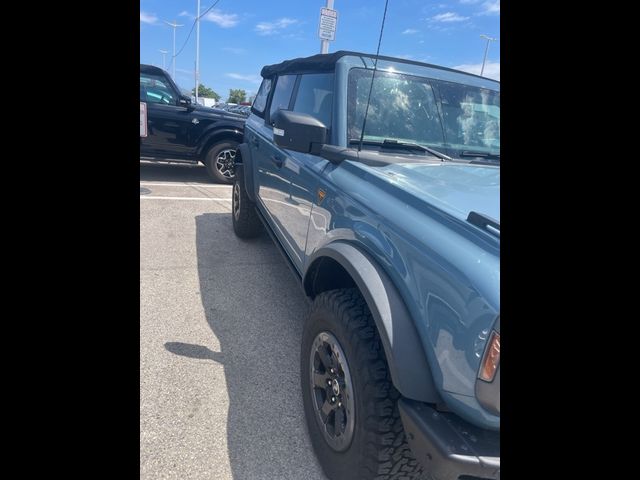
x=181, y=131
x=392, y=227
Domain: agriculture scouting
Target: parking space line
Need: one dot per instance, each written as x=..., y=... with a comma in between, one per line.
x=184, y=184
x=147, y=197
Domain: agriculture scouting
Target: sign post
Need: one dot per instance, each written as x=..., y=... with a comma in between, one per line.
x=328, y=23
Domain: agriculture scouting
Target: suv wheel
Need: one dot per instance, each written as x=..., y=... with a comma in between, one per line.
x=220, y=161
x=246, y=223
x=349, y=400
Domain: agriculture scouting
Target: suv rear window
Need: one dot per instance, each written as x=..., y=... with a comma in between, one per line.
x=261, y=98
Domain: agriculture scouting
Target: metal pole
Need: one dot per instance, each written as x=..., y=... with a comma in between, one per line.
x=486, y=49
x=197, y=49
x=173, y=58
x=164, y=58
x=324, y=44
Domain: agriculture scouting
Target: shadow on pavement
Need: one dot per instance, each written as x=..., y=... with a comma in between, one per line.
x=255, y=308
x=159, y=172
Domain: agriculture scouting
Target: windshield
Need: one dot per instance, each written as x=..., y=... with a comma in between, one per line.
x=456, y=119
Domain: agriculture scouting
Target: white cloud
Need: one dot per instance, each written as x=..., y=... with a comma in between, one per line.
x=448, y=17
x=271, y=28
x=492, y=7
x=491, y=69
x=252, y=78
x=409, y=31
x=184, y=13
x=148, y=18
x=224, y=20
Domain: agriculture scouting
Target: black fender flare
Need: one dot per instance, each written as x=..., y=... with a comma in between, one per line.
x=213, y=136
x=245, y=167
x=408, y=364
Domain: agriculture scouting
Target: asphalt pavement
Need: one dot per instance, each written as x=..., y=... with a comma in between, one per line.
x=220, y=329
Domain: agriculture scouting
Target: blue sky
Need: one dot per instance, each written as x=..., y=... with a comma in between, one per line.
x=239, y=37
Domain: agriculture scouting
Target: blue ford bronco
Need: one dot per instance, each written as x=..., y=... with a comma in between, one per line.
x=379, y=180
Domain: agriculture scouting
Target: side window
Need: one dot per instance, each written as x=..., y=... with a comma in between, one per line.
x=261, y=98
x=282, y=94
x=315, y=96
x=156, y=89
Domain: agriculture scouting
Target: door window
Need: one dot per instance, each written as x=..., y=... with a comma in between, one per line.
x=282, y=94
x=156, y=89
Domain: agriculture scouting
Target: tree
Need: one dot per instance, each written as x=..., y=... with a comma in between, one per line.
x=205, y=92
x=236, y=95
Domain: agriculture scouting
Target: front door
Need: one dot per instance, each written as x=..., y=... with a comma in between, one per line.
x=168, y=123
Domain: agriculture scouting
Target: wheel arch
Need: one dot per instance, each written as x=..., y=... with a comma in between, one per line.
x=244, y=166
x=340, y=265
x=217, y=136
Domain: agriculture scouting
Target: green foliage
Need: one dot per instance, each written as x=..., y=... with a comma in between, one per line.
x=205, y=92
x=237, y=95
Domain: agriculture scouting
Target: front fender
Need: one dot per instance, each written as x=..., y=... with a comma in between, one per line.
x=405, y=355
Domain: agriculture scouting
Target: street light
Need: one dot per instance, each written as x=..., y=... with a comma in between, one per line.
x=197, y=49
x=173, y=67
x=164, y=63
x=489, y=39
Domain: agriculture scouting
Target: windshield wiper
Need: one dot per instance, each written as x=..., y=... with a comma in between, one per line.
x=471, y=153
x=387, y=143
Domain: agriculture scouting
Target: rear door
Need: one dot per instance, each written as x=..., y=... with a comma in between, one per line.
x=168, y=123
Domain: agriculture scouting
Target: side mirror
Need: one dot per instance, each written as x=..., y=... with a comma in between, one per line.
x=185, y=101
x=298, y=131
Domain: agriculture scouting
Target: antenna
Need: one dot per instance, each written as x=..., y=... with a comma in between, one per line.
x=375, y=67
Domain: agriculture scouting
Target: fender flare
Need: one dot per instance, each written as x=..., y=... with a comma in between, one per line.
x=410, y=370
x=245, y=167
x=206, y=141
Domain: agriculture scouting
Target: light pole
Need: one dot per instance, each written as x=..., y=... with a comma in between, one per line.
x=164, y=57
x=489, y=39
x=173, y=58
x=197, y=48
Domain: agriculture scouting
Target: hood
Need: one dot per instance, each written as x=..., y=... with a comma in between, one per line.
x=455, y=188
x=217, y=112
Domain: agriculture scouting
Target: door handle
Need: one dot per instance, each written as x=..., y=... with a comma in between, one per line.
x=278, y=161
x=254, y=142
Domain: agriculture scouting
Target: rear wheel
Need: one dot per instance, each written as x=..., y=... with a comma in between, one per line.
x=349, y=401
x=220, y=161
x=246, y=223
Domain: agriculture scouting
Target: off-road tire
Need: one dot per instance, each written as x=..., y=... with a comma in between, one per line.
x=246, y=223
x=211, y=161
x=378, y=449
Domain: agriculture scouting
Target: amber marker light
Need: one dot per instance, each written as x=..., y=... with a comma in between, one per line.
x=491, y=358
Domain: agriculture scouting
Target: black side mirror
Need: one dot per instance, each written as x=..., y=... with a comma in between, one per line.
x=298, y=131
x=185, y=101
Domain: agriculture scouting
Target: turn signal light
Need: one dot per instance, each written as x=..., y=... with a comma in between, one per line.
x=491, y=358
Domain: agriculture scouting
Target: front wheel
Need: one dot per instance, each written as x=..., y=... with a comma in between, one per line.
x=349, y=401
x=220, y=161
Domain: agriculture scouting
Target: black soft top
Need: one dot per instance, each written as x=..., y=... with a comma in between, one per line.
x=327, y=63
x=151, y=69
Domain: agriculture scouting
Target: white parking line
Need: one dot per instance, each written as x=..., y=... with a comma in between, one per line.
x=184, y=184
x=147, y=197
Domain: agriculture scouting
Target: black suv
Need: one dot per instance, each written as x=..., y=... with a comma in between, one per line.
x=182, y=132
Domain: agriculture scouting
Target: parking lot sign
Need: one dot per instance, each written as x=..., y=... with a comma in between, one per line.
x=328, y=22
